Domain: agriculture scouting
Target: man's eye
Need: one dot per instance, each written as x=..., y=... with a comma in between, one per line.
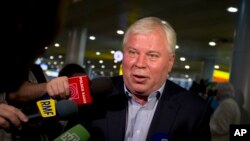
x=153, y=56
x=132, y=53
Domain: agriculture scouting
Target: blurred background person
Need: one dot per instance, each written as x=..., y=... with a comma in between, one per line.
x=227, y=112
x=199, y=88
x=210, y=95
x=71, y=70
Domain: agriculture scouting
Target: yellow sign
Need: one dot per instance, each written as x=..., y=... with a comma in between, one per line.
x=220, y=76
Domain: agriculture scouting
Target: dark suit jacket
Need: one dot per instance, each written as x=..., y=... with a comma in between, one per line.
x=180, y=115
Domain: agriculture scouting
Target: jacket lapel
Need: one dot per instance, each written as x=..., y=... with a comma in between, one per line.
x=117, y=112
x=165, y=113
x=117, y=120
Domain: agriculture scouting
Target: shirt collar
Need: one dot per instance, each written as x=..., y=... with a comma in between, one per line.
x=157, y=93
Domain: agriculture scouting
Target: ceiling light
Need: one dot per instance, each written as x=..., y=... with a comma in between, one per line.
x=60, y=56
x=100, y=61
x=120, y=32
x=212, y=43
x=182, y=58
x=216, y=66
x=56, y=44
x=187, y=67
x=101, y=72
x=232, y=9
x=92, y=37
x=51, y=57
x=98, y=53
x=176, y=47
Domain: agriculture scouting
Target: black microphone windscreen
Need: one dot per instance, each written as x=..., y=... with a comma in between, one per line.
x=66, y=109
x=101, y=85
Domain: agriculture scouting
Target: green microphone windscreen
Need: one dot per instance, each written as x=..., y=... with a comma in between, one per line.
x=76, y=133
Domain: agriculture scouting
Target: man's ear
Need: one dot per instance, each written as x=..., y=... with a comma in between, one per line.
x=171, y=62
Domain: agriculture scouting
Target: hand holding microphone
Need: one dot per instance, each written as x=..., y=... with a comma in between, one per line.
x=58, y=88
x=82, y=89
x=78, y=88
x=11, y=115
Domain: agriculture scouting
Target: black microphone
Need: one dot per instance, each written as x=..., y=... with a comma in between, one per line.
x=49, y=112
x=64, y=109
x=100, y=85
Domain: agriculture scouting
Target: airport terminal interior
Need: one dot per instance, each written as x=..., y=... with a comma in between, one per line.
x=93, y=32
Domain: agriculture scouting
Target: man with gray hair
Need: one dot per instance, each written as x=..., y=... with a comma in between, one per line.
x=228, y=112
x=144, y=105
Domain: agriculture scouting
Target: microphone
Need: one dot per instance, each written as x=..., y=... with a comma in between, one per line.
x=101, y=85
x=47, y=107
x=82, y=88
x=63, y=109
x=79, y=89
x=76, y=133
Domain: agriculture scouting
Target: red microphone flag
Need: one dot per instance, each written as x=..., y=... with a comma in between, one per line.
x=79, y=89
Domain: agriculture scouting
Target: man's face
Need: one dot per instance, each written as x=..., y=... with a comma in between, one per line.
x=146, y=62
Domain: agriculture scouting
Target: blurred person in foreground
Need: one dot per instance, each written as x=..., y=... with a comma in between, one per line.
x=144, y=105
x=226, y=113
x=28, y=26
x=37, y=88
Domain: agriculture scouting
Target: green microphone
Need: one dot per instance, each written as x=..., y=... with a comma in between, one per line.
x=76, y=133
